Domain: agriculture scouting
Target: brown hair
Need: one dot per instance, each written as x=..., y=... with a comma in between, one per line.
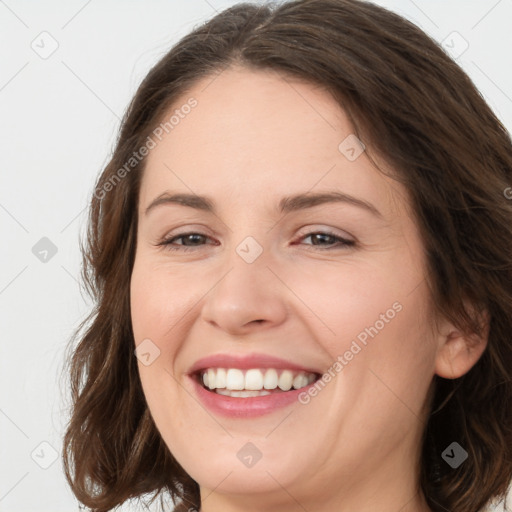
x=410, y=103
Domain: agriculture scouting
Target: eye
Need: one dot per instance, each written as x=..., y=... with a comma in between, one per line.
x=193, y=237
x=320, y=239
x=328, y=237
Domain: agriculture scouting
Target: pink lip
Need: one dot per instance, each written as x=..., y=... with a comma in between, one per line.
x=251, y=406
x=246, y=362
x=234, y=407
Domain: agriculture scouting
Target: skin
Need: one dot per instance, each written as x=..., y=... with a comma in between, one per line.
x=253, y=138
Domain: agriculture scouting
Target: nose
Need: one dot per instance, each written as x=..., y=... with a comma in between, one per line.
x=248, y=297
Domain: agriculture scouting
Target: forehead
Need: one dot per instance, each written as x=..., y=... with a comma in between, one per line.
x=256, y=135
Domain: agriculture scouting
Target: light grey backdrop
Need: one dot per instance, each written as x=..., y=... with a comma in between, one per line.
x=67, y=72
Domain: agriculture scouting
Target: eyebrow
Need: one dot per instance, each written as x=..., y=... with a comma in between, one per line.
x=286, y=204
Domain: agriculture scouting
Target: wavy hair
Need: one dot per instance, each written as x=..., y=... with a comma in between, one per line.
x=414, y=107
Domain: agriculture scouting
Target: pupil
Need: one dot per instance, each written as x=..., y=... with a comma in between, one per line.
x=192, y=237
x=320, y=236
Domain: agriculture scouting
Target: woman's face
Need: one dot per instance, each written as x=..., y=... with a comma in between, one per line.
x=269, y=276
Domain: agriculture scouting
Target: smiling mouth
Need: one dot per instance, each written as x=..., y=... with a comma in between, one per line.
x=253, y=382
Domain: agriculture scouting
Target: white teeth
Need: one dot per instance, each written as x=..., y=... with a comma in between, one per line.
x=286, y=380
x=254, y=380
x=242, y=394
x=234, y=379
x=300, y=381
x=220, y=380
x=270, y=380
x=211, y=378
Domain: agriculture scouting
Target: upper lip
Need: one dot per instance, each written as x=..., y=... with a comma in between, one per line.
x=246, y=362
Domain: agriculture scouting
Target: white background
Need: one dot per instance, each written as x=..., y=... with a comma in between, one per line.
x=59, y=118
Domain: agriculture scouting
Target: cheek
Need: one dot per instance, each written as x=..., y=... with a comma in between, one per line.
x=374, y=317
x=158, y=311
x=395, y=366
x=159, y=302
x=353, y=301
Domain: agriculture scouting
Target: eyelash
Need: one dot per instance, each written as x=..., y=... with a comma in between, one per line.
x=168, y=242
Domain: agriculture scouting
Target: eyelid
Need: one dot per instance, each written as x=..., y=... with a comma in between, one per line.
x=321, y=228
x=165, y=240
x=308, y=229
x=342, y=241
x=187, y=229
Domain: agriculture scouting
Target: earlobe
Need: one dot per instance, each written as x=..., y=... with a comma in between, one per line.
x=458, y=353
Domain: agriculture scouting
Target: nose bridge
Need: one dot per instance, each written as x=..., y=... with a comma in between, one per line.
x=247, y=291
x=248, y=241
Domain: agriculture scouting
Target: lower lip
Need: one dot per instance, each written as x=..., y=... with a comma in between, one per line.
x=249, y=407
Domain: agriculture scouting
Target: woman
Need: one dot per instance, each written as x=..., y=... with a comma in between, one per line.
x=301, y=257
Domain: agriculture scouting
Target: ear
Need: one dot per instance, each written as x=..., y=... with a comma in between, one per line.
x=457, y=353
